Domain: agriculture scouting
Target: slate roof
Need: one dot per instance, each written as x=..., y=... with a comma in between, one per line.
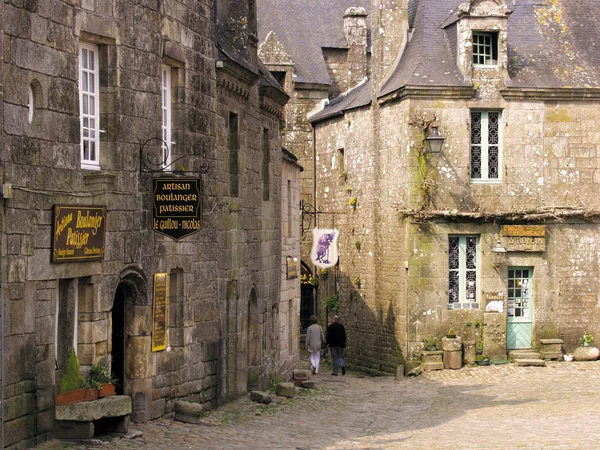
x=550, y=45
x=359, y=96
x=304, y=27
x=428, y=59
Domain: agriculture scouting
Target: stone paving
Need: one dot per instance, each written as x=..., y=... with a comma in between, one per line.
x=495, y=407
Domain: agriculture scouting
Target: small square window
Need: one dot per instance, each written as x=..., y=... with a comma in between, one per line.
x=485, y=49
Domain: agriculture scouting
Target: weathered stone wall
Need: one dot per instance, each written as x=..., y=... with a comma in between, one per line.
x=215, y=274
x=289, y=305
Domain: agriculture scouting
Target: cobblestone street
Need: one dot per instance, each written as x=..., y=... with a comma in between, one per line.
x=495, y=407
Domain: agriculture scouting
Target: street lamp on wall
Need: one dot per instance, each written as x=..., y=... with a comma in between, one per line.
x=498, y=254
x=434, y=140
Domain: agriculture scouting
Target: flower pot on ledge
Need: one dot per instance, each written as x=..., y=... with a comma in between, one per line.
x=106, y=389
x=74, y=396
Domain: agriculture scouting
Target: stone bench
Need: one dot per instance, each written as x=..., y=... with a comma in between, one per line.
x=80, y=420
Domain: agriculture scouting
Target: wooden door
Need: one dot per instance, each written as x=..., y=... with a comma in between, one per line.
x=520, y=308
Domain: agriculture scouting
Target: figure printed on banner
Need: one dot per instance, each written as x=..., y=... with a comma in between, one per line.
x=324, y=252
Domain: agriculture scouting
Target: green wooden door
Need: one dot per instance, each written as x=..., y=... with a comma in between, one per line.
x=520, y=308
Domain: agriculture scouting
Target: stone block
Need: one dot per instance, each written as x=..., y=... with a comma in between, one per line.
x=551, y=349
x=399, y=372
x=586, y=354
x=453, y=360
x=287, y=390
x=260, y=397
x=530, y=362
x=188, y=412
x=301, y=376
x=308, y=384
x=74, y=430
x=113, y=406
x=432, y=360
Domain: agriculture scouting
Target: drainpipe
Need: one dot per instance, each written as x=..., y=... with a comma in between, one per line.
x=314, y=194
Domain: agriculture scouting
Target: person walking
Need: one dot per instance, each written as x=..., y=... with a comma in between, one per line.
x=336, y=339
x=314, y=342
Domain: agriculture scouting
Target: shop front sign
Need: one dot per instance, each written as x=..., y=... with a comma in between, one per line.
x=524, y=238
x=78, y=233
x=177, y=206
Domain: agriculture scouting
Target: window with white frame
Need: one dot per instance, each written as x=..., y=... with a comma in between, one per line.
x=485, y=49
x=166, y=115
x=462, y=272
x=89, y=106
x=486, y=158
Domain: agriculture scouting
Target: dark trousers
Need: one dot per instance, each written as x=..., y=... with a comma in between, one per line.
x=337, y=358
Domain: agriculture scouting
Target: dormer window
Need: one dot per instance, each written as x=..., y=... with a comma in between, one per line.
x=485, y=49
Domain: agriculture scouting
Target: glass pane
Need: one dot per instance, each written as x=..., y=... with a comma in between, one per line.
x=92, y=151
x=84, y=82
x=453, y=254
x=453, y=287
x=84, y=58
x=86, y=123
x=92, y=105
x=92, y=86
x=86, y=150
x=493, y=161
x=471, y=252
x=84, y=104
x=91, y=65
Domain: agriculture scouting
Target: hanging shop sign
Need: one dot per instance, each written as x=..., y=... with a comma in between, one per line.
x=291, y=265
x=524, y=238
x=324, y=252
x=78, y=233
x=160, y=312
x=177, y=206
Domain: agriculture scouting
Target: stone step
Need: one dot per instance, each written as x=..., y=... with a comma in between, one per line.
x=523, y=354
x=530, y=362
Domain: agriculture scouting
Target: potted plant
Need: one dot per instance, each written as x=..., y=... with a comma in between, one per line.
x=72, y=384
x=430, y=343
x=586, y=340
x=100, y=376
x=451, y=333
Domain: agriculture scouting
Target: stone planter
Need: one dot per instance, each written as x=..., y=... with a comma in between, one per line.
x=432, y=360
x=470, y=352
x=452, y=352
x=551, y=349
x=586, y=354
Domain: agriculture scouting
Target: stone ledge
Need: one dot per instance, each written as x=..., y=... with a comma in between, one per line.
x=113, y=406
x=530, y=362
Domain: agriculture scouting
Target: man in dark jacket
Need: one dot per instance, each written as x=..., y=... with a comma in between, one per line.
x=336, y=339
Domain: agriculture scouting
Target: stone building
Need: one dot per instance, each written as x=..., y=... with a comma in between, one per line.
x=141, y=205
x=320, y=54
x=495, y=234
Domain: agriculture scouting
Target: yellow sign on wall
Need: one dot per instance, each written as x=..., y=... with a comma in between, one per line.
x=160, y=316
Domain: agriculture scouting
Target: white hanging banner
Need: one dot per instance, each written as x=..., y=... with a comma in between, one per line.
x=324, y=252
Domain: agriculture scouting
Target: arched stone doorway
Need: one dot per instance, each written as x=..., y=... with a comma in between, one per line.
x=131, y=322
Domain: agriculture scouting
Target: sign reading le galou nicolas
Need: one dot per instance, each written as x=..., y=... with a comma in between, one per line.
x=78, y=233
x=177, y=205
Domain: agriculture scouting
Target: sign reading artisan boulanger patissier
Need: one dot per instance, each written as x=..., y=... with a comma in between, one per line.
x=177, y=205
x=78, y=233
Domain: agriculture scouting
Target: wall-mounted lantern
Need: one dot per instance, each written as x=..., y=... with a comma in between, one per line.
x=498, y=254
x=434, y=140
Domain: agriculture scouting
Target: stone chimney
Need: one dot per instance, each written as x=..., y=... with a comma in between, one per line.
x=389, y=32
x=355, y=30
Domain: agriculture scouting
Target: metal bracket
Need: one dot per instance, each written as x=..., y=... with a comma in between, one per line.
x=149, y=165
x=310, y=214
